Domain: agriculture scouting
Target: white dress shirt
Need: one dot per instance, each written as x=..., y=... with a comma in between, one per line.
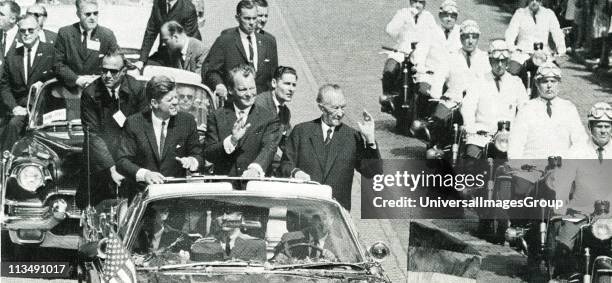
x=26, y=69
x=157, y=238
x=403, y=29
x=184, y=50
x=11, y=36
x=483, y=106
x=458, y=75
x=525, y=32
x=41, y=36
x=534, y=135
x=324, y=128
x=588, y=150
x=245, y=44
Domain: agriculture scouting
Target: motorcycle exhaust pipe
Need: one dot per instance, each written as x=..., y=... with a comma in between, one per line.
x=491, y=182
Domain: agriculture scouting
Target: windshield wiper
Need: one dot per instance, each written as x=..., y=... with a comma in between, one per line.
x=319, y=265
x=202, y=264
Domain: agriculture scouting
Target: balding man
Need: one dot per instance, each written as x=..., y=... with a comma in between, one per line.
x=25, y=66
x=184, y=52
x=9, y=16
x=40, y=13
x=327, y=151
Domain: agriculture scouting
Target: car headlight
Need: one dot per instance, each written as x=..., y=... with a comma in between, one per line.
x=30, y=177
x=602, y=229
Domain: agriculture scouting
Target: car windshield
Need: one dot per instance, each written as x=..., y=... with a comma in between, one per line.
x=222, y=229
x=56, y=105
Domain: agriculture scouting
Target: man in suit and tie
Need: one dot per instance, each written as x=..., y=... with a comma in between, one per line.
x=9, y=16
x=327, y=151
x=105, y=104
x=262, y=16
x=284, y=84
x=26, y=65
x=241, y=45
x=162, y=142
x=228, y=242
x=40, y=12
x=314, y=241
x=78, y=47
x=181, y=11
x=241, y=138
x=184, y=52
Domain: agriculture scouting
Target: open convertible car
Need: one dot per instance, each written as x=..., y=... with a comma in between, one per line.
x=40, y=175
x=182, y=231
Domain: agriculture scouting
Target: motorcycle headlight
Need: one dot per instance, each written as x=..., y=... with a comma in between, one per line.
x=602, y=229
x=501, y=141
x=30, y=177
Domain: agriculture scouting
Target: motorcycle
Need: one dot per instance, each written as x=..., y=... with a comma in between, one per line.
x=525, y=64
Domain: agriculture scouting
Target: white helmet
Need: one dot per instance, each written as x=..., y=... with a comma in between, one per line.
x=600, y=112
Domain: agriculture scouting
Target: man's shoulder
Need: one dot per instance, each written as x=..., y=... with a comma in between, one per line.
x=105, y=31
x=228, y=33
x=565, y=103
x=93, y=89
x=184, y=118
x=293, y=236
x=65, y=30
x=262, y=98
x=137, y=118
x=307, y=126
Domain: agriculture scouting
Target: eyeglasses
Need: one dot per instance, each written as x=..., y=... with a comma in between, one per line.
x=28, y=30
x=448, y=14
x=470, y=35
x=38, y=15
x=600, y=112
x=113, y=72
x=91, y=13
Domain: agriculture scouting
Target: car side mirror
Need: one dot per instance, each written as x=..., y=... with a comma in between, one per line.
x=379, y=251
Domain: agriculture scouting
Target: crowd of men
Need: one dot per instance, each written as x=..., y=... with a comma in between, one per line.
x=135, y=133
x=480, y=86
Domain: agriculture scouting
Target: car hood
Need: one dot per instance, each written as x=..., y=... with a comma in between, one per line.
x=189, y=276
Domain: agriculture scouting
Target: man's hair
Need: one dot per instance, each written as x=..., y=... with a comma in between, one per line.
x=325, y=89
x=261, y=3
x=115, y=54
x=158, y=86
x=244, y=4
x=14, y=8
x=78, y=3
x=281, y=70
x=244, y=70
x=174, y=27
x=44, y=10
x=25, y=17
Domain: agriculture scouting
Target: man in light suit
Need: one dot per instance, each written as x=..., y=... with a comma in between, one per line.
x=241, y=138
x=327, y=151
x=184, y=52
x=17, y=78
x=159, y=143
x=78, y=47
x=105, y=104
x=241, y=45
x=181, y=11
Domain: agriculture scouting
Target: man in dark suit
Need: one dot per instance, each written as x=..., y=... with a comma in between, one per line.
x=78, y=47
x=241, y=45
x=40, y=12
x=284, y=84
x=105, y=104
x=327, y=151
x=9, y=16
x=320, y=242
x=241, y=138
x=228, y=242
x=25, y=66
x=262, y=17
x=181, y=11
x=184, y=52
x=162, y=142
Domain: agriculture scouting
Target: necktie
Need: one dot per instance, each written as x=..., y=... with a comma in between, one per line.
x=534, y=18
x=548, y=108
x=28, y=64
x=115, y=98
x=228, y=248
x=29, y=58
x=162, y=138
x=84, y=43
x=250, y=50
x=600, y=154
x=328, y=137
x=468, y=59
x=497, y=79
x=447, y=33
x=416, y=19
x=283, y=114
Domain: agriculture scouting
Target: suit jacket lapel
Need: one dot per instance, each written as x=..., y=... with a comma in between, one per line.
x=78, y=41
x=316, y=141
x=336, y=143
x=19, y=63
x=170, y=137
x=150, y=133
x=239, y=45
x=92, y=37
x=37, y=57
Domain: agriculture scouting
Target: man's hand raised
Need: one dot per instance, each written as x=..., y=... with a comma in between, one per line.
x=239, y=130
x=366, y=127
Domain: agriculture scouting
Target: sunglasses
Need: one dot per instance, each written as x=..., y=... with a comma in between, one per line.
x=91, y=13
x=27, y=30
x=112, y=71
x=470, y=35
x=600, y=112
x=38, y=15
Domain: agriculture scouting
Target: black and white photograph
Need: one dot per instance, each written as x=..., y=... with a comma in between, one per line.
x=305, y=141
